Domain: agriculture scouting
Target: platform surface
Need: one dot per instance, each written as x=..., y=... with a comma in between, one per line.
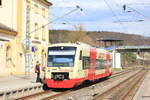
x=12, y=85
x=144, y=91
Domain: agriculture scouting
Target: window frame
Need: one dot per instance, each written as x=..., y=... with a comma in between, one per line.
x=80, y=56
x=61, y=48
x=43, y=33
x=85, y=62
x=52, y=57
x=36, y=33
x=0, y=3
x=101, y=63
x=36, y=8
x=43, y=12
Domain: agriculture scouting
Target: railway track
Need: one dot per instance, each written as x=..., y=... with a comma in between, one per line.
x=54, y=96
x=120, y=73
x=49, y=94
x=34, y=95
x=45, y=95
x=124, y=90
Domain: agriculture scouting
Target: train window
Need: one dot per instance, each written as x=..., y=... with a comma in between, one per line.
x=100, y=64
x=80, y=55
x=61, y=56
x=86, y=62
x=60, y=60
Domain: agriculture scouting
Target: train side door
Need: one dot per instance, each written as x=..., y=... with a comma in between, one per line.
x=92, y=68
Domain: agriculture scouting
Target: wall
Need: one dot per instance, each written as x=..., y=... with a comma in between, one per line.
x=8, y=12
x=116, y=60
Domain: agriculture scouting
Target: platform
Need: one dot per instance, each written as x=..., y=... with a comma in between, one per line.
x=144, y=91
x=15, y=86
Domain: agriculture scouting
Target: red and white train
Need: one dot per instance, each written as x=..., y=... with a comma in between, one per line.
x=69, y=64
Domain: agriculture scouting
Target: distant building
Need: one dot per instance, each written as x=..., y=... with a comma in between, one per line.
x=110, y=44
x=15, y=20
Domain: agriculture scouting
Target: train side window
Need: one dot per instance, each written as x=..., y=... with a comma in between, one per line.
x=103, y=64
x=80, y=55
x=100, y=64
x=86, y=62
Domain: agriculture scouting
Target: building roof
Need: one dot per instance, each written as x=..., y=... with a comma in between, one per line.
x=7, y=30
x=46, y=2
x=110, y=39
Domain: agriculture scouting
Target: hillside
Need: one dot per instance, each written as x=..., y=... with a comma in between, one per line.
x=129, y=39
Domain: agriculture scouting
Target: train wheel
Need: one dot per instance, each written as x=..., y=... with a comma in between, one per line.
x=45, y=87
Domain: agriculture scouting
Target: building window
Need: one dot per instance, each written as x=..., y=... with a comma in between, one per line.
x=36, y=34
x=7, y=53
x=43, y=33
x=36, y=8
x=8, y=56
x=0, y=2
x=43, y=58
x=28, y=1
x=43, y=12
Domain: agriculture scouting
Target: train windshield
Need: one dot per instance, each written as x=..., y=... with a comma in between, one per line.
x=61, y=56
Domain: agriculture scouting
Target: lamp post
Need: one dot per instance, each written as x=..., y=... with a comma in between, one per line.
x=27, y=42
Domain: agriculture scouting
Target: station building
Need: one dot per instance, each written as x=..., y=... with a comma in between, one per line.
x=15, y=21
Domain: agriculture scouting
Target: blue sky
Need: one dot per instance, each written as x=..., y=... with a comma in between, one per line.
x=97, y=16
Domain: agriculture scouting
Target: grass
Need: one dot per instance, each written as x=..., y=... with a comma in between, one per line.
x=116, y=69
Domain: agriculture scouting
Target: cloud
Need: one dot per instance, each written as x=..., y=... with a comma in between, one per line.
x=85, y=4
x=97, y=15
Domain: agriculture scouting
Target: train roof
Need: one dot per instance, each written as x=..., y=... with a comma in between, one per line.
x=70, y=44
x=80, y=44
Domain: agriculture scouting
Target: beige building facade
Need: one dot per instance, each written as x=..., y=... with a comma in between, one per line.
x=16, y=21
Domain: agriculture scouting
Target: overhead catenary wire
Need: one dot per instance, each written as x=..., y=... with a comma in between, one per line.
x=65, y=22
x=77, y=8
x=116, y=3
x=62, y=20
x=138, y=12
x=133, y=15
x=121, y=10
x=114, y=14
x=140, y=4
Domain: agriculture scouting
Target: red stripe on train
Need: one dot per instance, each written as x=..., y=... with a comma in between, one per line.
x=72, y=82
x=91, y=71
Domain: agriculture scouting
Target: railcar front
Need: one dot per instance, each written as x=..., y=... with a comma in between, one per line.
x=61, y=70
